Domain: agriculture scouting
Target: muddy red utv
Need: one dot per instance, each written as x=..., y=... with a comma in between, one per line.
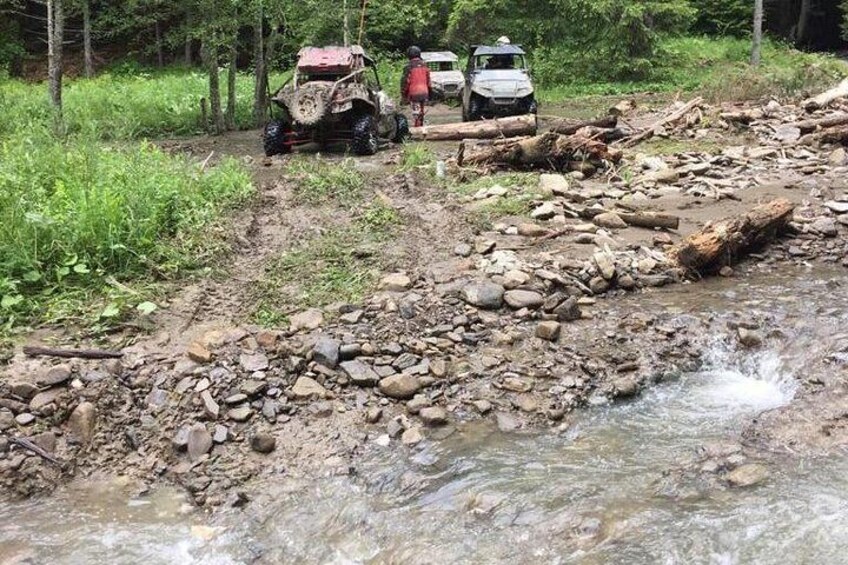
x=335, y=96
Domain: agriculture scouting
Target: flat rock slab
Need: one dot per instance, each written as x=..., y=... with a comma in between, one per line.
x=359, y=373
x=485, y=295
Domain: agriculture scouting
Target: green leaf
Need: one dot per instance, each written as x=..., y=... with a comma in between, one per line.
x=110, y=311
x=146, y=308
x=32, y=276
x=71, y=260
x=81, y=268
x=62, y=272
x=9, y=301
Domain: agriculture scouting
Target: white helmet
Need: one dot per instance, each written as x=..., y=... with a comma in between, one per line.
x=503, y=40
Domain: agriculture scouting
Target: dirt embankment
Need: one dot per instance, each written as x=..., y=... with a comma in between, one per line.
x=469, y=309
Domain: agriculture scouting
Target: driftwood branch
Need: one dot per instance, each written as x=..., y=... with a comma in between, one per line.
x=724, y=242
x=825, y=98
x=37, y=351
x=547, y=151
x=809, y=126
x=648, y=132
x=570, y=127
x=30, y=446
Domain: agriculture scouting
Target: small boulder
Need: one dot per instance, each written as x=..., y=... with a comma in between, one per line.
x=747, y=475
x=605, y=264
x=609, y=220
x=359, y=373
x=54, y=376
x=553, y=184
x=252, y=362
x=326, y=352
x=484, y=295
x=307, y=320
x=412, y=436
x=199, y=442
x=434, y=416
x=400, y=387
x=568, y=311
x=82, y=421
x=199, y=354
x=395, y=282
x=548, y=331
x=518, y=299
x=306, y=388
x=262, y=442
x=545, y=211
x=749, y=338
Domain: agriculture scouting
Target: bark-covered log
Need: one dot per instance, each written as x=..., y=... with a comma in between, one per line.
x=515, y=126
x=835, y=135
x=548, y=151
x=37, y=351
x=570, y=127
x=825, y=98
x=809, y=126
x=725, y=242
x=650, y=220
x=648, y=132
x=744, y=117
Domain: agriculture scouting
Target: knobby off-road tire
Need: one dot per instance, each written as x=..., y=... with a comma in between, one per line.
x=475, y=109
x=364, y=140
x=402, y=133
x=274, y=138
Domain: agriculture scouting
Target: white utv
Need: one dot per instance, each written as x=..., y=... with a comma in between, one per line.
x=497, y=83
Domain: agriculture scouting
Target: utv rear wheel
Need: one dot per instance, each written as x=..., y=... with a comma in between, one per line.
x=402, y=133
x=364, y=140
x=475, y=109
x=274, y=138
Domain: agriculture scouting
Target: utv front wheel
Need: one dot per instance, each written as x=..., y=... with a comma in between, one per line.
x=402, y=133
x=475, y=109
x=364, y=140
x=274, y=138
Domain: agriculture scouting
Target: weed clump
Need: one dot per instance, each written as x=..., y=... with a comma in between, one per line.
x=318, y=181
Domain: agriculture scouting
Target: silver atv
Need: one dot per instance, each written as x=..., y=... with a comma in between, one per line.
x=497, y=83
x=445, y=77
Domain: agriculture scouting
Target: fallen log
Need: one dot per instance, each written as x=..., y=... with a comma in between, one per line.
x=825, y=98
x=836, y=135
x=648, y=132
x=724, y=242
x=607, y=135
x=514, y=126
x=649, y=220
x=743, y=117
x=548, y=151
x=36, y=351
x=810, y=126
x=570, y=127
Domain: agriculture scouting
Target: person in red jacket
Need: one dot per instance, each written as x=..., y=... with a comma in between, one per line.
x=415, y=84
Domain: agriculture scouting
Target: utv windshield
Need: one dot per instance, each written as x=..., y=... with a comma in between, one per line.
x=499, y=62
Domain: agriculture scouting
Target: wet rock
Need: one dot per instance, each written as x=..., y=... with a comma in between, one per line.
x=359, y=373
x=263, y=442
x=82, y=421
x=199, y=354
x=482, y=406
x=237, y=398
x=418, y=402
x=434, y=416
x=373, y=415
x=749, y=338
x=24, y=419
x=210, y=407
x=826, y=227
x=43, y=399
x=240, y=414
x=252, y=362
x=54, y=376
x=400, y=387
x=609, y=220
x=747, y=475
x=549, y=331
x=326, y=352
x=23, y=390
x=308, y=320
x=412, y=436
x=599, y=285
x=626, y=387
x=545, y=211
x=605, y=264
x=507, y=422
x=199, y=442
x=395, y=282
x=626, y=282
x=484, y=295
x=306, y=388
x=518, y=299
x=568, y=311
x=527, y=403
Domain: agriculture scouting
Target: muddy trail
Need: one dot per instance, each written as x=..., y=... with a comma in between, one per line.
x=369, y=304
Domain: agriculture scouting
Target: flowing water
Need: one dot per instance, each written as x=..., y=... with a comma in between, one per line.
x=592, y=492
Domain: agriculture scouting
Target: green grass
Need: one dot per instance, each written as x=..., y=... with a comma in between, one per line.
x=717, y=68
x=78, y=217
x=416, y=155
x=341, y=265
x=318, y=181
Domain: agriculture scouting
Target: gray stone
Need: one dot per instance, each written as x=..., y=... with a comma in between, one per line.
x=24, y=419
x=400, y=387
x=549, y=331
x=553, y=184
x=240, y=414
x=485, y=295
x=483, y=406
x=546, y=211
x=252, y=387
x=747, y=475
x=263, y=442
x=837, y=207
x=609, y=220
x=749, y=338
x=306, y=388
x=463, y=250
x=82, y=421
x=518, y=299
x=23, y=390
x=373, y=414
x=359, y=373
x=210, y=407
x=599, y=285
x=54, y=376
x=434, y=416
x=252, y=362
x=418, y=402
x=838, y=158
x=307, y=321
x=605, y=264
x=199, y=442
x=350, y=351
x=568, y=311
x=412, y=436
x=507, y=422
x=395, y=282
x=41, y=400
x=237, y=398
x=825, y=226
x=221, y=434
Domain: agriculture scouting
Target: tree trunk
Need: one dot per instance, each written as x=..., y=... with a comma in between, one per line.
x=346, y=24
x=160, y=55
x=231, y=86
x=187, y=55
x=756, y=49
x=86, y=38
x=649, y=220
x=260, y=76
x=210, y=56
x=809, y=126
x=489, y=129
x=803, y=19
x=55, y=40
x=547, y=151
x=570, y=127
x=723, y=243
